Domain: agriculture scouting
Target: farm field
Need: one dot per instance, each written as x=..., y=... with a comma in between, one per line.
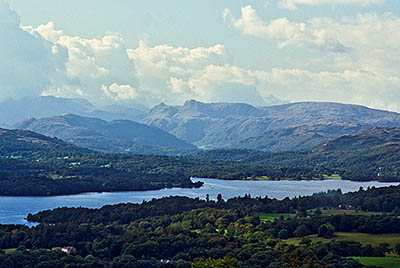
x=332, y=212
x=264, y=217
x=385, y=262
x=364, y=239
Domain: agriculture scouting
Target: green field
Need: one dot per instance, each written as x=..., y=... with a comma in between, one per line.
x=264, y=217
x=364, y=239
x=10, y=250
x=332, y=177
x=332, y=212
x=385, y=262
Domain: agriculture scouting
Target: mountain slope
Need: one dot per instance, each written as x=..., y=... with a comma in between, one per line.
x=365, y=140
x=115, y=136
x=295, y=126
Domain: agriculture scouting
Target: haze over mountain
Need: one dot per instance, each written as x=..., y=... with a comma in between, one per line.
x=294, y=126
x=118, y=136
x=13, y=111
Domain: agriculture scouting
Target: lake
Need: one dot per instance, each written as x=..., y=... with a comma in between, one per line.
x=13, y=210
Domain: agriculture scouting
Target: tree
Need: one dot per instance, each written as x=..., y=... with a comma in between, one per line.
x=302, y=231
x=326, y=230
x=283, y=234
x=226, y=262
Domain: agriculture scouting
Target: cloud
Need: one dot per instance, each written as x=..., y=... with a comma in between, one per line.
x=103, y=70
x=226, y=13
x=360, y=87
x=175, y=74
x=314, y=33
x=99, y=69
x=292, y=4
x=361, y=62
x=27, y=65
x=120, y=92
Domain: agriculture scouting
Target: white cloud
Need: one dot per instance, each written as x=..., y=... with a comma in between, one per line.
x=360, y=54
x=287, y=33
x=362, y=51
x=359, y=43
x=175, y=74
x=27, y=65
x=120, y=92
x=92, y=65
x=226, y=13
x=292, y=4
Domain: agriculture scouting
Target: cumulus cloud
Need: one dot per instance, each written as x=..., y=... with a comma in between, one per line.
x=348, y=86
x=175, y=74
x=120, y=92
x=359, y=43
x=27, y=65
x=44, y=60
x=314, y=33
x=99, y=69
x=292, y=4
x=361, y=62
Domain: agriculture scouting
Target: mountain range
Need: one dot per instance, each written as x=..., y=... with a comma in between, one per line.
x=287, y=127
x=117, y=136
x=169, y=129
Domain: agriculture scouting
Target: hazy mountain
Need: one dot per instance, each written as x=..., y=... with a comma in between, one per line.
x=294, y=126
x=13, y=111
x=115, y=136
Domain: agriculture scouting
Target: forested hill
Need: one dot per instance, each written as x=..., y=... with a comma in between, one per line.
x=23, y=143
x=33, y=164
x=372, y=154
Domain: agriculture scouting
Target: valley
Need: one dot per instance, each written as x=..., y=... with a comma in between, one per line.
x=276, y=205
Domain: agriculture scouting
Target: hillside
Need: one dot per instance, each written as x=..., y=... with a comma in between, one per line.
x=287, y=127
x=23, y=143
x=365, y=140
x=119, y=136
x=33, y=164
x=373, y=154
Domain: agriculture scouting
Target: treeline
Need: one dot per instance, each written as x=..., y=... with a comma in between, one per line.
x=386, y=200
x=365, y=164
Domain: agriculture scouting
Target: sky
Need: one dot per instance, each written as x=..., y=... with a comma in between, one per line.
x=147, y=52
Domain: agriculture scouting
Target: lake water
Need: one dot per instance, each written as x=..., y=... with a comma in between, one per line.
x=13, y=210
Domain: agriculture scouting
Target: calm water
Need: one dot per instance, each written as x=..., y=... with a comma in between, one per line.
x=13, y=210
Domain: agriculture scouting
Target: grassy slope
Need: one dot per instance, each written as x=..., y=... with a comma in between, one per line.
x=332, y=212
x=264, y=217
x=385, y=262
x=364, y=239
